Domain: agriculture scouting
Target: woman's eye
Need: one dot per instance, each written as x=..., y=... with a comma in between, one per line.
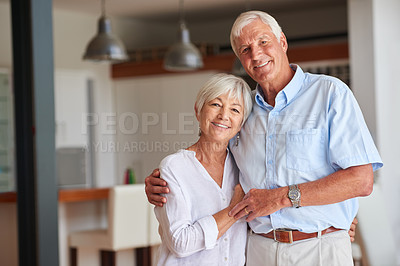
x=215, y=104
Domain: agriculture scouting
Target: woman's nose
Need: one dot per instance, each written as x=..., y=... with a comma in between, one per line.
x=223, y=114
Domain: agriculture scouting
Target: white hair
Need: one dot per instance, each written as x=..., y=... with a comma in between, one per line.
x=246, y=18
x=220, y=84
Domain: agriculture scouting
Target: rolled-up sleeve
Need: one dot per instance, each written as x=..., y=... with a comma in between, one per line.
x=180, y=232
x=210, y=230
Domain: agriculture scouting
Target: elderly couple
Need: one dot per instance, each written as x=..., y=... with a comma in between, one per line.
x=301, y=153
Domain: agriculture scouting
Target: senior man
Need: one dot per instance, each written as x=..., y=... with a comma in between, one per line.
x=305, y=154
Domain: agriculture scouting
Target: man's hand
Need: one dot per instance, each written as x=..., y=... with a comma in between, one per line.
x=261, y=202
x=352, y=231
x=154, y=187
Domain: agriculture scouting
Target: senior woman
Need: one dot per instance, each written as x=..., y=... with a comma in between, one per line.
x=203, y=179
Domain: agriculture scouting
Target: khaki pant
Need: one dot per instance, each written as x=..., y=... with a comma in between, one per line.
x=330, y=249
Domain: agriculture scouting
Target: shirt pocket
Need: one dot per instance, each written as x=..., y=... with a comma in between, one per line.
x=305, y=149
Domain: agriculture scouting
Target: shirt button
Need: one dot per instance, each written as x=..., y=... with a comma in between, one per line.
x=270, y=161
x=223, y=199
x=226, y=239
x=225, y=258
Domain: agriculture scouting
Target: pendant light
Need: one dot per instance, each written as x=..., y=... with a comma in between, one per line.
x=183, y=55
x=105, y=46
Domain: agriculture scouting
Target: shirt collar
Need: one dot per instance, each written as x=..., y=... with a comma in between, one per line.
x=289, y=92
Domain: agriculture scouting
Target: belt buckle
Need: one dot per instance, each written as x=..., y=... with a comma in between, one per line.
x=290, y=233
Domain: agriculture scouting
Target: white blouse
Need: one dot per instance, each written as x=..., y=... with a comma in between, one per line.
x=188, y=230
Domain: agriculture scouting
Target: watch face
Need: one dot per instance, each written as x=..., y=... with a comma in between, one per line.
x=294, y=194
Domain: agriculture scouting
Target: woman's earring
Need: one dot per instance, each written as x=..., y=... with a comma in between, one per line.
x=199, y=131
x=237, y=138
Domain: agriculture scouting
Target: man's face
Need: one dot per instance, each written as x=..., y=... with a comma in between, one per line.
x=261, y=54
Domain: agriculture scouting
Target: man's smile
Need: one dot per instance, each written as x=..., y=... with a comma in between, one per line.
x=261, y=65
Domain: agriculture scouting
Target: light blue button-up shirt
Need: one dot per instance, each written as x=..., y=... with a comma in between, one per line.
x=315, y=128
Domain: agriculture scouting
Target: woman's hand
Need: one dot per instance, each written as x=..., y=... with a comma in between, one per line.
x=237, y=195
x=224, y=221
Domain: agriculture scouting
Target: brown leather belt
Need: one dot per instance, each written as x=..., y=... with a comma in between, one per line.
x=290, y=236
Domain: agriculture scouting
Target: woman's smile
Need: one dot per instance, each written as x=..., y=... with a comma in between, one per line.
x=219, y=125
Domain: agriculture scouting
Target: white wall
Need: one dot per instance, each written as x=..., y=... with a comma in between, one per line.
x=155, y=118
x=374, y=39
x=386, y=56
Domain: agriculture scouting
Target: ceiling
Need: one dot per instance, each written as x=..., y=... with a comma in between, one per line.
x=168, y=10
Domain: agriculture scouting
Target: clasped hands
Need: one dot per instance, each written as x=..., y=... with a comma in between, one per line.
x=260, y=202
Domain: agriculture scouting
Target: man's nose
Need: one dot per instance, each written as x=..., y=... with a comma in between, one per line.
x=256, y=52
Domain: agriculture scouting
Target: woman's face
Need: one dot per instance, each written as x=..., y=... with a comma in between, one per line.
x=221, y=118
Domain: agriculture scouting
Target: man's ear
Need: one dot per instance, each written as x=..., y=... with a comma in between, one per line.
x=283, y=42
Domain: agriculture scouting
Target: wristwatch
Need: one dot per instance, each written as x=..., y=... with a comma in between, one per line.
x=294, y=195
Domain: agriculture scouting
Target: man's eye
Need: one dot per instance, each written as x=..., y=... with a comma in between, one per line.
x=244, y=50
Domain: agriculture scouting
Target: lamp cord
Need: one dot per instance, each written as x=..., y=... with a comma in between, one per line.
x=181, y=12
x=103, y=8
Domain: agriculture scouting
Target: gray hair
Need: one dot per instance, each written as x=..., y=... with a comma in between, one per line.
x=246, y=18
x=220, y=84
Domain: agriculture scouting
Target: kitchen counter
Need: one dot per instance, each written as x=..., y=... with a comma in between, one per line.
x=66, y=195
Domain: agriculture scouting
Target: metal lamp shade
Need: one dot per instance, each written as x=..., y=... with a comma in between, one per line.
x=105, y=46
x=183, y=55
